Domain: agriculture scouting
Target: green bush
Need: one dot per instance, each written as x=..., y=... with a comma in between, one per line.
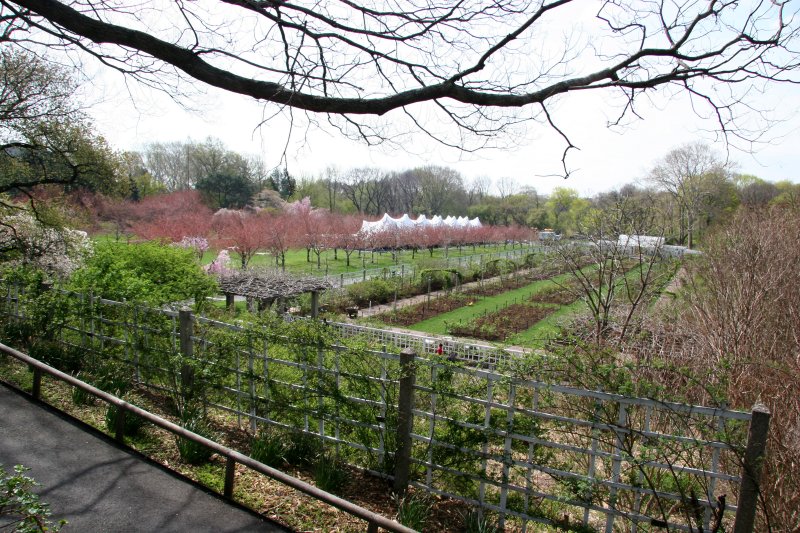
x=65, y=358
x=303, y=449
x=132, y=424
x=413, y=511
x=268, y=448
x=440, y=279
x=80, y=396
x=330, y=474
x=476, y=521
x=20, y=506
x=190, y=451
x=149, y=272
x=376, y=291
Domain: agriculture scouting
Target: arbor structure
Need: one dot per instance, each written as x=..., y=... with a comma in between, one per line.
x=356, y=59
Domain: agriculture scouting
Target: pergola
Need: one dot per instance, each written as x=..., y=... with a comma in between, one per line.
x=267, y=286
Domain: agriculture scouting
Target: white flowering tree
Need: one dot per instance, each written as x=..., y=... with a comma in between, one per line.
x=24, y=239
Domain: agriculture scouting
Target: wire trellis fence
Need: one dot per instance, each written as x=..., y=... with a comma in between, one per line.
x=522, y=449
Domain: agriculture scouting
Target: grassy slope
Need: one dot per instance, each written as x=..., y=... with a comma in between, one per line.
x=550, y=327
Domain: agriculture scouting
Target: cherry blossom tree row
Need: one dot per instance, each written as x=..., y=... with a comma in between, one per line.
x=182, y=218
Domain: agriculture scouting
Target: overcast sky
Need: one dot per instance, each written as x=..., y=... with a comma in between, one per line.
x=130, y=116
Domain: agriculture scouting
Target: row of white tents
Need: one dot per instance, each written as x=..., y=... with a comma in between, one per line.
x=405, y=222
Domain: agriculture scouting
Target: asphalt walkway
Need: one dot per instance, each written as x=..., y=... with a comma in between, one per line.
x=98, y=486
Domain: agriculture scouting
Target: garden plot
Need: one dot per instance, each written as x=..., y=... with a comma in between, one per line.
x=477, y=299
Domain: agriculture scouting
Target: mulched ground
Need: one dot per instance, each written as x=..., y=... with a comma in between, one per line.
x=405, y=316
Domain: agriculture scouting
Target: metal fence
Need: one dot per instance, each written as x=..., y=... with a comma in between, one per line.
x=427, y=345
x=526, y=450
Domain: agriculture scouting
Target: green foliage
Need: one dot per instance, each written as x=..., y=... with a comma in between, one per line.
x=20, y=507
x=149, y=272
x=439, y=279
x=226, y=190
x=65, y=358
x=193, y=452
x=413, y=510
x=476, y=521
x=132, y=424
x=330, y=473
x=303, y=449
x=80, y=396
x=268, y=448
x=376, y=291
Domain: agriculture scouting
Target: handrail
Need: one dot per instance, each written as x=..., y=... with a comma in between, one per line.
x=232, y=457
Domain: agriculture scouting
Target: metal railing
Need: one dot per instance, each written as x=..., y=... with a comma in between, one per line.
x=232, y=457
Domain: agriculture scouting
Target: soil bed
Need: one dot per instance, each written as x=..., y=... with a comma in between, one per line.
x=504, y=323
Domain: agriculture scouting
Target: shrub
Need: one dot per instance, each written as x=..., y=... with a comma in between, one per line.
x=377, y=291
x=132, y=425
x=65, y=358
x=476, y=521
x=193, y=452
x=20, y=507
x=413, y=511
x=439, y=279
x=150, y=272
x=80, y=396
x=268, y=448
x=330, y=474
x=303, y=449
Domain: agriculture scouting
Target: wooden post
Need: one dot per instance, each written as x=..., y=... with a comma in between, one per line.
x=230, y=301
x=751, y=470
x=186, y=325
x=314, y=304
x=230, y=470
x=119, y=425
x=36, y=389
x=405, y=419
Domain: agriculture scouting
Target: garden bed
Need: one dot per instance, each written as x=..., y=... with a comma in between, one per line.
x=500, y=325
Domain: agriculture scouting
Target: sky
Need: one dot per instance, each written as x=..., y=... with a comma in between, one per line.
x=130, y=116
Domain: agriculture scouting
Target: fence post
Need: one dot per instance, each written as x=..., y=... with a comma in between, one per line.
x=405, y=419
x=186, y=329
x=119, y=423
x=751, y=470
x=230, y=470
x=36, y=389
x=314, y=304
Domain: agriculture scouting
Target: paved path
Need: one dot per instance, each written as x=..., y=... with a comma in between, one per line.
x=98, y=486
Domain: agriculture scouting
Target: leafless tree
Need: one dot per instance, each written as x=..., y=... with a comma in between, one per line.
x=692, y=175
x=616, y=270
x=478, y=189
x=351, y=60
x=506, y=187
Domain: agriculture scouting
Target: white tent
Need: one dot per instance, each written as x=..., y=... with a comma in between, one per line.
x=404, y=223
x=641, y=241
